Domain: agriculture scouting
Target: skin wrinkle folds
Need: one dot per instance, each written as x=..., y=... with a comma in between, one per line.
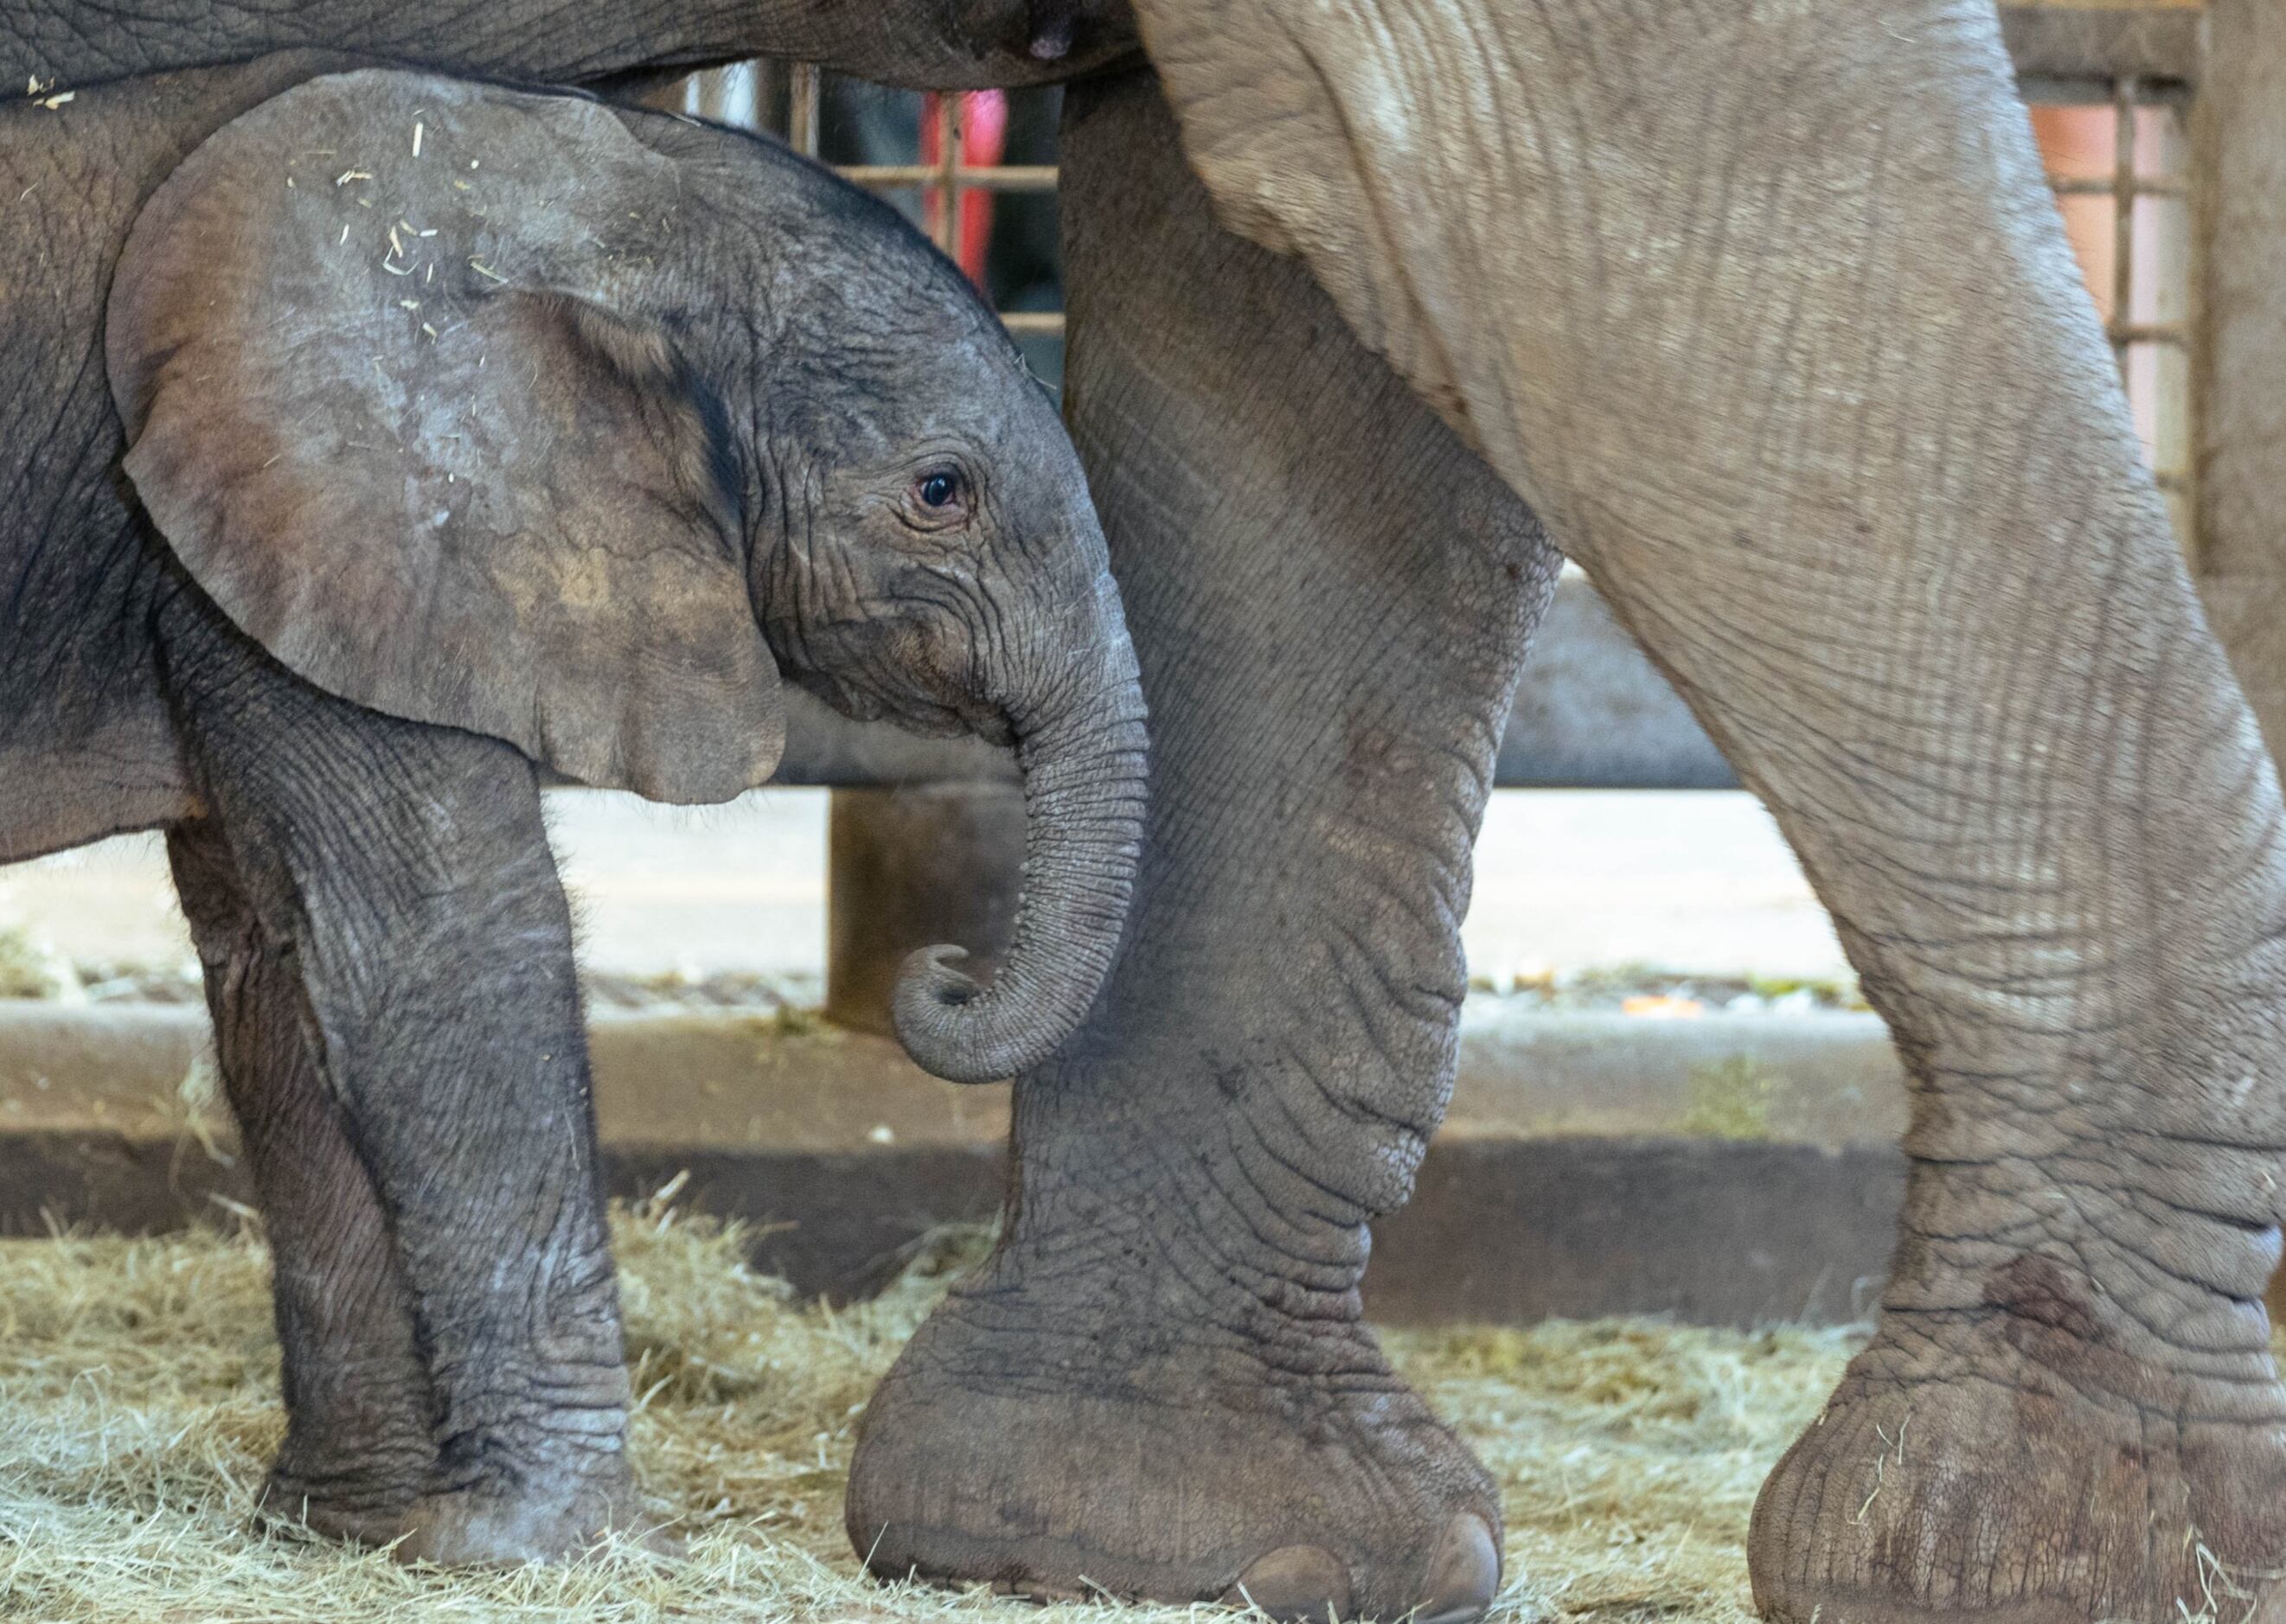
x=495, y=1410
x=1663, y=301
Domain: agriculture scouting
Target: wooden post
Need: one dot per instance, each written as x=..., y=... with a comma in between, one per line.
x=2241, y=428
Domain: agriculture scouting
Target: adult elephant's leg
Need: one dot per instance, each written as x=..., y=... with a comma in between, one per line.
x=1769, y=307
x=1159, y=1385
x=405, y=872
x=358, y=1448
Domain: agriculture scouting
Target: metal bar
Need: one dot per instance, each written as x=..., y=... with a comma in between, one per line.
x=2123, y=215
x=2122, y=333
x=2117, y=6
x=2045, y=90
x=2105, y=185
x=1003, y=177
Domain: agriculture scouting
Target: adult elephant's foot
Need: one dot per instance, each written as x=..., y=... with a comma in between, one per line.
x=2017, y=1463
x=1056, y=1454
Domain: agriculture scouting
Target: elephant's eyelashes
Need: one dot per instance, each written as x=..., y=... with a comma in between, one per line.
x=938, y=499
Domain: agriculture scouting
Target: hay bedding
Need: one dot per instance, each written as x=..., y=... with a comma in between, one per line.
x=137, y=1406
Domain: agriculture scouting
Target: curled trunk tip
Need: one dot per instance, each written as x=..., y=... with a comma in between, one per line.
x=1083, y=838
x=932, y=1010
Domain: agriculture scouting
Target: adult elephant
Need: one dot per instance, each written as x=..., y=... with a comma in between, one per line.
x=1765, y=308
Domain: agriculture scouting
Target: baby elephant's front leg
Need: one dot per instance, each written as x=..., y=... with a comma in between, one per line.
x=405, y=872
x=359, y=1448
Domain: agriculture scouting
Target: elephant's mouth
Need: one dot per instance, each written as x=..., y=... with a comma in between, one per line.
x=940, y=716
x=989, y=723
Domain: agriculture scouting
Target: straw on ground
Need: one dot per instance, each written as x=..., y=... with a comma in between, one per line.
x=137, y=1406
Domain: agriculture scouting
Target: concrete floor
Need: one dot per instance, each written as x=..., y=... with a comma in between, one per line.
x=1689, y=881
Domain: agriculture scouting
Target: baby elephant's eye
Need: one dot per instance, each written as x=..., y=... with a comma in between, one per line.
x=940, y=489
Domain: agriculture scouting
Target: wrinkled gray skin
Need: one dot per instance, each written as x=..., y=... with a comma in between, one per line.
x=1766, y=310
x=673, y=410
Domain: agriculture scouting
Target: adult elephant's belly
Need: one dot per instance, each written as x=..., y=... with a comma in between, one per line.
x=86, y=744
x=87, y=748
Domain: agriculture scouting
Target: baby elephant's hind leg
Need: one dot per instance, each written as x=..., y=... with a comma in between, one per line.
x=358, y=1447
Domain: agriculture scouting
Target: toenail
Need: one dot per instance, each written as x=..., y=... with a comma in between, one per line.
x=1293, y=1584
x=1464, y=1574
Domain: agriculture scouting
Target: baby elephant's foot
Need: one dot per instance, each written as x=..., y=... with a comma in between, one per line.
x=2010, y=1466
x=1136, y=1464
x=535, y=1484
x=351, y=1473
x=524, y=1516
x=534, y=1487
x=364, y=1507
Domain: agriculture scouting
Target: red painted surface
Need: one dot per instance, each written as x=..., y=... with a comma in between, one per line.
x=983, y=119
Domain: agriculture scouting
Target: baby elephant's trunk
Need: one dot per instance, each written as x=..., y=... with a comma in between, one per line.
x=1080, y=746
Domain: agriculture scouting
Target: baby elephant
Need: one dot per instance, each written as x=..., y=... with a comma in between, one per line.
x=473, y=429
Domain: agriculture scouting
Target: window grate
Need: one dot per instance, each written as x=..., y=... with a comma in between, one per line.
x=940, y=182
x=2120, y=157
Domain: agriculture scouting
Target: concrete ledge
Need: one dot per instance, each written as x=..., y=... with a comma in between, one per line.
x=729, y=1079
x=1829, y=1080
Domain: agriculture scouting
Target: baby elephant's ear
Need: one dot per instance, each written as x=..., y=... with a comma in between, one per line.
x=395, y=359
